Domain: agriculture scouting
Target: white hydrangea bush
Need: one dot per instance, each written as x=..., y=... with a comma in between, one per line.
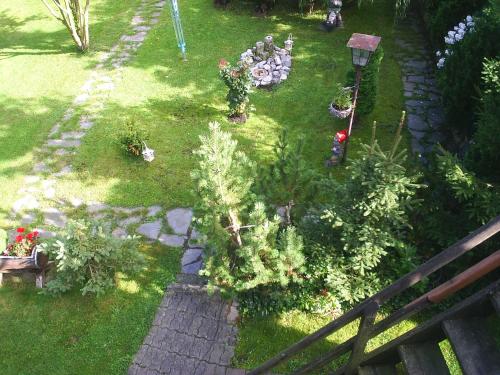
x=455, y=36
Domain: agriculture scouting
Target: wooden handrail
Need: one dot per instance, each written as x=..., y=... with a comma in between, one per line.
x=445, y=257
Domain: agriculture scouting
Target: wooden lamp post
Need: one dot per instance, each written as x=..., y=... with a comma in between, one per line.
x=362, y=47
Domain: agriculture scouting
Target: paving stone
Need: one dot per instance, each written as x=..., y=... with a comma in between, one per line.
x=154, y=210
x=139, y=37
x=76, y=202
x=129, y=221
x=119, y=233
x=192, y=268
x=82, y=98
x=160, y=4
x=142, y=28
x=94, y=207
x=40, y=167
x=31, y=179
x=136, y=20
x=156, y=14
x=416, y=79
x=28, y=219
x=61, y=152
x=49, y=193
x=179, y=219
x=86, y=123
x=67, y=169
x=54, y=130
x=27, y=202
x=63, y=143
x=108, y=86
x=53, y=216
x=417, y=123
x=154, y=21
x=172, y=240
x=72, y=135
x=150, y=230
x=68, y=114
x=191, y=256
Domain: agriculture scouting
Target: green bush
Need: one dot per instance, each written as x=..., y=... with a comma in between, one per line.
x=460, y=77
x=442, y=15
x=133, y=139
x=484, y=156
x=87, y=256
x=368, y=89
x=238, y=81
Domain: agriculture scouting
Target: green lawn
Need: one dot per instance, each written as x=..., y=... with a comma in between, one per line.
x=72, y=334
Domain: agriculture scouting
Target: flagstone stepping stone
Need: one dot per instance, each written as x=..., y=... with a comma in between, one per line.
x=150, y=230
x=72, y=135
x=160, y=4
x=154, y=210
x=156, y=14
x=139, y=37
x=417, y=123
x=31, y=179
x=28, y=201
x=94, y=207
x=49, y=193
x=137, y=20
x=64, y=171
x=64, y=143
x=76, y=202
x=108, y=86
x=142, y=28
x=40, y=167
x=130, y=220
x=86, y=123
x=191, y=256
x=127, y=210
x=54, y=130
x=69, y=114
x=82, y=98
x=61, y=152
x=28, y=219
x=119, y=233
x=154, y=21
x=179, y=219
x=193, y=268
x=53, y=216
x=172, y=240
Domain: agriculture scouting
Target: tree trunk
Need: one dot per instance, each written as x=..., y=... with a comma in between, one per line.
x=75, y=16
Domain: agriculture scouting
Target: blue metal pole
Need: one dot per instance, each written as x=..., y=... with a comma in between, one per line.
x=179, y=34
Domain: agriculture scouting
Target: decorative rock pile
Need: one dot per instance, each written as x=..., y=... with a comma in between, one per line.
x=269, y=64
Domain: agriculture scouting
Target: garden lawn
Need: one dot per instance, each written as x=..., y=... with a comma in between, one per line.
x=72, y=334
x=176, y=100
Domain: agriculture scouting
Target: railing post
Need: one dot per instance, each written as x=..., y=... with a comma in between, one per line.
x=364, y=334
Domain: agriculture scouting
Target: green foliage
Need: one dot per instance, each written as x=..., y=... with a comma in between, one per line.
x=288, y=182
x=238, y=81
x=87, y=256
x=368, y=89
x=366, y=222
x=245, y=248
x=342, y=98
x=133, y=138
x=483, y=156
x=441, y=15
x=460, y=77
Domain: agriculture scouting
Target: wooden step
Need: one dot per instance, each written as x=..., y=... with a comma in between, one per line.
x=423, y=359
x=378, y=370
x=474, y=347
x=495, y=300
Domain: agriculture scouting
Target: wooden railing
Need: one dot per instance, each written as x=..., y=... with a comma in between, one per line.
x=368, y=309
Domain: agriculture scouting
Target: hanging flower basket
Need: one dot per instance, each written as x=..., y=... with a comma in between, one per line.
x=340, y=113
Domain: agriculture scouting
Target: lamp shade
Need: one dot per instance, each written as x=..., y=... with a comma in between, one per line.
x=362, y=47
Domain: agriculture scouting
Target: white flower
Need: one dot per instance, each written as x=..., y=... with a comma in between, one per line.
x=456, y=28
x=438, y=53
x=447, y=52
x=449, y=40
x=440, y=63
x=451, y=34
x=461, y=32
x=470, y=24
x=468, y=19
x=459, y=37
x=461, y=25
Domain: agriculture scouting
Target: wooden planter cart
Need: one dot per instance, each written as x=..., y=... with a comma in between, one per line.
x=38, y=263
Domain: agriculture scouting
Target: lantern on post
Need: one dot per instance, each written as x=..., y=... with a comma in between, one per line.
x=362, y=47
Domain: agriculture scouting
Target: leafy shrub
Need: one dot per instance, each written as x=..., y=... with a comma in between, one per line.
x=133, y=139
x=238, y=81
x=88, y=256
x=342, y=98
x=459, y=78
x=245, y=248
x=483, y=156
x=367, y=95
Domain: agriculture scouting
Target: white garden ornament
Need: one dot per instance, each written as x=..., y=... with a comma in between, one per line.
x=148, y=154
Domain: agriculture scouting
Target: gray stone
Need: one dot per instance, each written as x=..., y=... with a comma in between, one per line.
x=150, y=230
x=179, y=219
x=28, y=219
x=417, y=134
x=31, y=179
x=29, y=202
x=417, y=123
x=160, y=4
x=49, y=193
x=154, y=210
x=72, y=135
x=142, y=28
x=68, y=114
x=64, y=171
x=137, y=20
x=172, y=240
x=154, y=21
x=129, y=221
x=82, y=98
x=409, y=86
x=192, y=268
x=156, y=14
x=86, y=123
x=54, y=217
x=40, y=167
x=139, y=37
x=191, y=256
x=107, y=86
x=416, y=79
x=94, y=207
x=76, y=202
x=61, y=152
x=63, y=143
x=54, y=130
x=119, y=233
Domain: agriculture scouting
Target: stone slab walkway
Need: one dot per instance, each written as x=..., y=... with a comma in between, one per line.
x=422, y=97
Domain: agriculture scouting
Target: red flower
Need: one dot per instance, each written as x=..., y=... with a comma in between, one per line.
x=341, y=136
x=35, y=233
x=19, y=238
x=30, y=236
x=20, y=230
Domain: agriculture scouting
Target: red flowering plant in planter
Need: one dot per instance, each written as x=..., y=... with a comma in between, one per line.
x=23, y=245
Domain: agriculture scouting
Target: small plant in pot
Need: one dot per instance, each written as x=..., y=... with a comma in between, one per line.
x=341, y=105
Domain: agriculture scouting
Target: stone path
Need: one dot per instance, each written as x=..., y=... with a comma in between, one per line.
x=193, y=333
x=422, y=97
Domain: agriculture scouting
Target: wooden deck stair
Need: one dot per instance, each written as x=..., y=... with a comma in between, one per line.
x=417, y=352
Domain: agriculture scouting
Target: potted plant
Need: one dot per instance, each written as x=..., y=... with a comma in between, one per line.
x=133, y=141
x=341, y=105
x=22, y=253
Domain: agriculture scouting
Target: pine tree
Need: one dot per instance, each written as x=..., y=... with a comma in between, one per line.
x=245, y=248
